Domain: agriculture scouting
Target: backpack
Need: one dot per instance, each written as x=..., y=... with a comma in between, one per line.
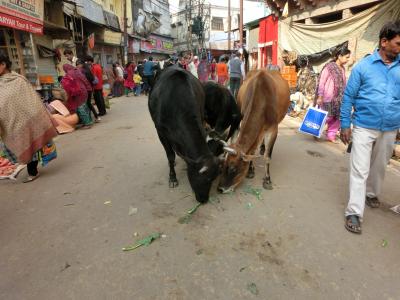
x=70, y=85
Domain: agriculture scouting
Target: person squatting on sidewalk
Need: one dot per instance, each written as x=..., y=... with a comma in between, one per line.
x=373, y=91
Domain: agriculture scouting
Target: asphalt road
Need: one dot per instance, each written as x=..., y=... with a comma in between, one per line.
x=61, y=237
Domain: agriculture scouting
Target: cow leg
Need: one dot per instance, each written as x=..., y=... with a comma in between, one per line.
x=250, y=172
x=270, y=139
x=173, y=181
x=262, y=148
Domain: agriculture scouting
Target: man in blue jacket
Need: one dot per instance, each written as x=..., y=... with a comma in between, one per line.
x=371, y=103
x=148, y=72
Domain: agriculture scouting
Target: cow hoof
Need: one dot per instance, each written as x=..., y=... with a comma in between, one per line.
x=267, y=185
x=173, y=183
x=250, y=174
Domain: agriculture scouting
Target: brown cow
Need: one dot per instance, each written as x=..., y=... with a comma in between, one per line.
x=263, y=100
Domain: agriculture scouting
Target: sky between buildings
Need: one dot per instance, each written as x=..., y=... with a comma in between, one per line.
x=252, y=10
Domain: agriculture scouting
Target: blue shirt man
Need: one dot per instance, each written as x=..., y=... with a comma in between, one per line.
x=373, y=90
x=149, y=67
x=371, y=103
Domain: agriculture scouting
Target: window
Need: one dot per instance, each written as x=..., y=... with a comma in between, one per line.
x=112, y=7
x=217, y=23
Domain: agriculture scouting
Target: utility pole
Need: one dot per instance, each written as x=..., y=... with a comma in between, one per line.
x=125, y=60
x=229, y=25
x=241, y=24
x=190, y=26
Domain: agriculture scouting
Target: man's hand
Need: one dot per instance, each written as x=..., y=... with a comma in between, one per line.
x=345, y=135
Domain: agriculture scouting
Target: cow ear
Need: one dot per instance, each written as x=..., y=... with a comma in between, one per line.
x=203, y=169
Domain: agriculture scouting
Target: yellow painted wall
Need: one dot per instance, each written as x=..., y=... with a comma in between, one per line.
x=117, y=5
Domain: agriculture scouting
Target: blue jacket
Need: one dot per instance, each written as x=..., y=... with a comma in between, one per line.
x=373, y=91
x=148, y=68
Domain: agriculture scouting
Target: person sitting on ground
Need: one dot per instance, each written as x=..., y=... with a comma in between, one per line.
x=76, y=85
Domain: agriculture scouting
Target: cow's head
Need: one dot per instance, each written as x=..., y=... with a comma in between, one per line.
x=235, y=168
x=201, y=175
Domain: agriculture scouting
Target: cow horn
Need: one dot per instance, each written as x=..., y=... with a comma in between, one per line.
x=203, y=169
x=230, y=150
x=223, y=143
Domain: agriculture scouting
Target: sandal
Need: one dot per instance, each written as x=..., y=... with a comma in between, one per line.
x=372, y=202
x=353, y=224
x=30, y=178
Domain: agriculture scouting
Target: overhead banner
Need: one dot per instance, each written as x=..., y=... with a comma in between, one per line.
x=25, y=15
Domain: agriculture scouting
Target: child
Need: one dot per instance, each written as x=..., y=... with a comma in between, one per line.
x=138, y=83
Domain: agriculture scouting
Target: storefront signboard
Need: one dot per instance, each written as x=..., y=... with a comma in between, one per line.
x=112, y=37
x=25, y=15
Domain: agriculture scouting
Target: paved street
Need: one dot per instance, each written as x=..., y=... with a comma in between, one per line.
x=62, y=236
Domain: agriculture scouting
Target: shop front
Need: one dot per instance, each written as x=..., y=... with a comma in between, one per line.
x=19, y=22
x=268, y=41
x=107, y=49
x=159, y=47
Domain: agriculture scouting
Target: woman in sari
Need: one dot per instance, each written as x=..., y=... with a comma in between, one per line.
x=119, y=80
x=202, y=70
x=129, y=84
x=84, y=68
x=26, y=128
x=213, y=69
x=331, y=86
x=76, y=85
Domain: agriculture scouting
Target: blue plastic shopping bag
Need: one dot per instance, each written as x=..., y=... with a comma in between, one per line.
x=314, y=122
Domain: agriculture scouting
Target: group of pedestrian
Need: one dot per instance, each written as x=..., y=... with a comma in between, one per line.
x=366, y=112
x=227, y=70
x=83, y=79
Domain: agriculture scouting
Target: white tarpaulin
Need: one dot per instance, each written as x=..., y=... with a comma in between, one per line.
x=361, y=30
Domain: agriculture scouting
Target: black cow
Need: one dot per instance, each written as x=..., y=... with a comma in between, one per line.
x=221, y=113
x=177, y=108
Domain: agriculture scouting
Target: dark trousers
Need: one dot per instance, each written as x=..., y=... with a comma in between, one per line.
x=98, y=98
x=32, y=168
x=148, y=83
x=234, y=85
x=89, y=104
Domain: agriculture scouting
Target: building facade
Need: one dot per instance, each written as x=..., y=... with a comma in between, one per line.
x=151, y=34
